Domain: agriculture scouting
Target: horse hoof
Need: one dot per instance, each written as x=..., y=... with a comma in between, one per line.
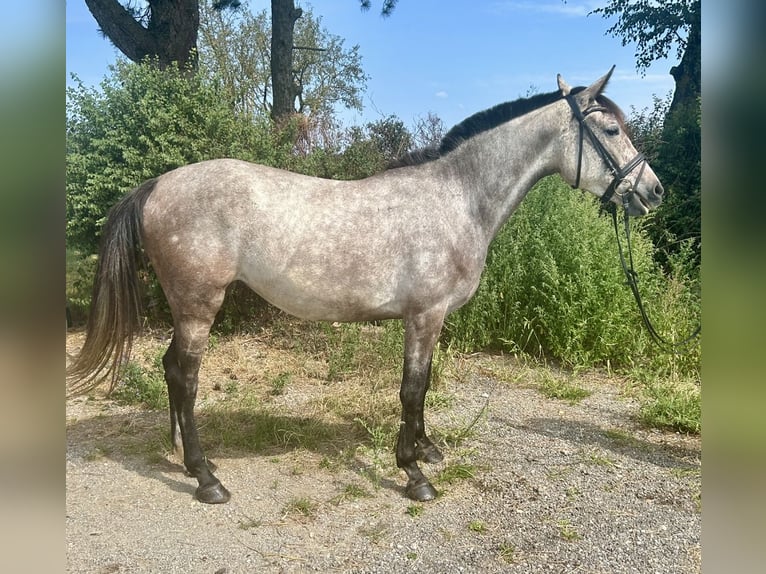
x=421, y=491
x=429, y=454
x=212, y=494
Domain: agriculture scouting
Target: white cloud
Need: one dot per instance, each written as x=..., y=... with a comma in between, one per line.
x=441, y=94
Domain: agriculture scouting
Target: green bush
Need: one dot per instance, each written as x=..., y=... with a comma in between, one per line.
x=141, y=123
x=553, y=286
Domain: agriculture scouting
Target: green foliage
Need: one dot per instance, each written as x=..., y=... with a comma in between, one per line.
x=556, y=387
x=553, y=286
x=80, y=272
x=668, y=405
x=653, y=27
x=143, y=122
x=143, y=386
x=235, y=48
x=372, y=147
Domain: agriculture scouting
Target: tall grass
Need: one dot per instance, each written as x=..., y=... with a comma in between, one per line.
x=553, y=286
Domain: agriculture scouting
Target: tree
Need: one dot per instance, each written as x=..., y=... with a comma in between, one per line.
x=162, y=29
x=656, y=28
x=284, y=14
x=236, y=48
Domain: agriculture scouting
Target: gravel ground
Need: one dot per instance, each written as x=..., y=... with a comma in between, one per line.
x=556, y=487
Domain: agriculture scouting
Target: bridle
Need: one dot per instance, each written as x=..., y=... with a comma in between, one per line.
x=620, y=175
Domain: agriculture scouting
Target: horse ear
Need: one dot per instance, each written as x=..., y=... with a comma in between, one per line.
x=595, y=89
x=563, y=86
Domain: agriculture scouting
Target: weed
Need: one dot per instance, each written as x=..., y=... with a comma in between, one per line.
x=622, y=438
x=456, y=436
x=673, y=406
x=353, y=491
x=342, y=345
x=279, y=383
x=573, y=492
x=436, y=400
x=415, y=510
x=555, y=387
x=558, y=472
x=412, y=555
x=455, y=472
x=599, y=459
x=477, y=526
x=140, y=386
x=375, y=532
x=97, y=453
x=301, y=506
x=249, y=523
x=506, y=550
x=567, y=531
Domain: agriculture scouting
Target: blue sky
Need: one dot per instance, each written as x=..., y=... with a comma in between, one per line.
x=449, y=58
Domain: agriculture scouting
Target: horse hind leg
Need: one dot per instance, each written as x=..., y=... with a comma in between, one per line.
x=182, y=362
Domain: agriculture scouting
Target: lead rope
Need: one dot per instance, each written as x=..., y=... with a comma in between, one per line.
x=632, y=280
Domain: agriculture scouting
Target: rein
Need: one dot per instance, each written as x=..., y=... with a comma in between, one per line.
x=619, y=174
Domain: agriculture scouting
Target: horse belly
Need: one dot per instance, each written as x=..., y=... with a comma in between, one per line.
x=323, y=295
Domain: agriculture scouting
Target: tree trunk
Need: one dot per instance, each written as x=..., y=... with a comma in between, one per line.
x=170, y=34
x=688, y=73
x=284, y=14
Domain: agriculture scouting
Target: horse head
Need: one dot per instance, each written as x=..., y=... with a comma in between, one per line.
x=600, y=157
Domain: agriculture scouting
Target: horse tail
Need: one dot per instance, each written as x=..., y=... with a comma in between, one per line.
x=116, y=303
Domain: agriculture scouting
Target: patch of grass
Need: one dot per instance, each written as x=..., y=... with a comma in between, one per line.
x=573, y=492
x=478, y=526
x=506, y=551
x=555, y=387
x=455, y=472
x=436, y=400
x=455, y=436
x=558, y=472
x=622, y=438
x=249, y=523
x=142, y=386
x=415, y=510
x=374, y=532
x=597, y=458
x=302, y=506
x=351, y=492
x=567, y=530
x=279, y=383
x=343, y=343
x=231, y=388
x=672, y=406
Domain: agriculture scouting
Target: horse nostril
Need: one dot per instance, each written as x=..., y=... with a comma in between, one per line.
x=659, y=190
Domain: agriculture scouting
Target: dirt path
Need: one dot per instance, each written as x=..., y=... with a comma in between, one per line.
x=538, y=485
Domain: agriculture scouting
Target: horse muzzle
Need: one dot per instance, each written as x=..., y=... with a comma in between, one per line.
x=639, y=200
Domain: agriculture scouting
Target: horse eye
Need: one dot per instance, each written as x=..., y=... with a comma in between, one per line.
x=612, y=130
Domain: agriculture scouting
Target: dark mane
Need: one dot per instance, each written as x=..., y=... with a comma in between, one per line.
x=488, y=119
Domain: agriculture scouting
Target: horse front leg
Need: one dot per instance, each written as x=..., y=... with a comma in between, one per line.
x=420, y=335
x=181, y=375
x=426, y=450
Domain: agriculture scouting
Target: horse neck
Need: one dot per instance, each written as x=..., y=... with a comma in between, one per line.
x=497, y=169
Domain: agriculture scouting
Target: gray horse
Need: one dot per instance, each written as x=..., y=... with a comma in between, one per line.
x=409, y=242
